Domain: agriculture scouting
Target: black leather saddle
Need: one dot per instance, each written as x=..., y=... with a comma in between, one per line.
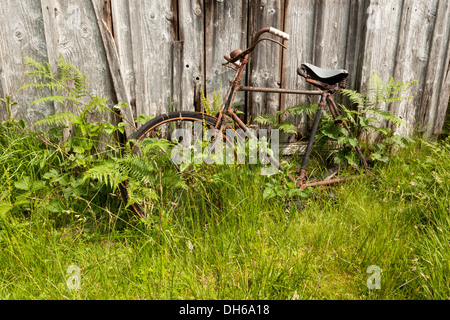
x=330, y=77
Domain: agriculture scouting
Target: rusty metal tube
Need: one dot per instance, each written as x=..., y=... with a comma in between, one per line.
x=326, y=182
x=313, y=132
x=276, y=90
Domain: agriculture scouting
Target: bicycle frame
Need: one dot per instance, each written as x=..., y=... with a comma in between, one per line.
x=240, y=60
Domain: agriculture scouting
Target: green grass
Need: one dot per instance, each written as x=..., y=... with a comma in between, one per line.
x=225, y=241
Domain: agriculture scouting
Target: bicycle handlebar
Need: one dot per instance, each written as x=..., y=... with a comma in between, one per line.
x=279, y=33
x=256, y=40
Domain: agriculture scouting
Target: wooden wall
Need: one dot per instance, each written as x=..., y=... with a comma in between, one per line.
x=157, y=55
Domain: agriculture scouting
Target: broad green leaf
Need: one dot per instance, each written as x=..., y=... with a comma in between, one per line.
x=109, y=128
x=25, y=184
x=5, y=207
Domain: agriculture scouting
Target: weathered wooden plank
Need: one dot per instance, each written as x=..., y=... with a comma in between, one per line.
x=380, y=38
x=412, y=55
x=112, y=57
x=225, y=31
x=379, y=44
x=49, y=14
x=265, y=62
x=434, y=84
x=191, y=29
x=354, y=41
x=106, y=14
x=122, y=35
x=22, y=35
x=157, y=40
x=71, y=31
x=178, y=67
x=3, y=109
x=152, y=35
x=330, y=33
x=444, y=95
x=299, y=22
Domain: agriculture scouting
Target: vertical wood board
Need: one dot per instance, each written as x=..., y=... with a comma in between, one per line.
x=414, y=45
x=152, y=35
x=265, y=61
x=225, y=30
x=22, y=35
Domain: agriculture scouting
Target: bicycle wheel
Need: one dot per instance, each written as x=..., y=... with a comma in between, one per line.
x=173, y=134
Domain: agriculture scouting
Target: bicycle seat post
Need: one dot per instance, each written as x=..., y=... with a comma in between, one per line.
x=303, y=171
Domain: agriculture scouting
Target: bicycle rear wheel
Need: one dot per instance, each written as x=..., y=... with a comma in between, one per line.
x=172, y=135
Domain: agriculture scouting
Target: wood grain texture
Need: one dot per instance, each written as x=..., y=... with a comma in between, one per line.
x=432, y=109
x=191, y=33
x=112, y=56
x=417, y=23
x=168, y=49
x=380, y=39
x=379, y=45
x=22, y=35
x=122, y=36
x=265, y=62
x=152, y=35
x=330, y=33
x=72, y=31
x=300, y=26
x=225, y=30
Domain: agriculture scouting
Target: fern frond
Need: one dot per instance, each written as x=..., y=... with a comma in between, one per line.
x=387, y=116
x=393, y=87
x=58, y=118
x=287, y=127
x=355, y=97
x=266, y=120
x=60, y=99
x=204, y=100
x=50, y=85
x=98, y=104
x=348, y=114
x=394, y=99
x=139, y=168
x=375, y=89
x=107, y=173
x=307, y=108
x=39, y=68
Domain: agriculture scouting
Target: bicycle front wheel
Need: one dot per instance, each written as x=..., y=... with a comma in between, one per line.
x=161, y=153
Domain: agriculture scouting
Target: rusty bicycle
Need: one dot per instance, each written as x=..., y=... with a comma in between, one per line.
x=326, y=83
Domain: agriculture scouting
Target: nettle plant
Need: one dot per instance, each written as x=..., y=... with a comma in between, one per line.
x=367, y=117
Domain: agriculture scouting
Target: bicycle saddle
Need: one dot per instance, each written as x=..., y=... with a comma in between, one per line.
x=330, y=77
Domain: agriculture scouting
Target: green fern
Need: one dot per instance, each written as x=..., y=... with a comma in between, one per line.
x=59, y=118
x=387, y=116
x=378, y=92
x=304, y=108
x=108, y=173
x=144, y=173
x=266, y=120
x=59, y=99
x=210, y=108
x=67, y=84
x=287, y=127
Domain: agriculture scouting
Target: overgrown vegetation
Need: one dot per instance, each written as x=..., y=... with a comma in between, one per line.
x=223, y=238
x=367, y=117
